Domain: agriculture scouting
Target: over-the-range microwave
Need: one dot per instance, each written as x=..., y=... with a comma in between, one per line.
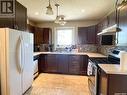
x=107, y=40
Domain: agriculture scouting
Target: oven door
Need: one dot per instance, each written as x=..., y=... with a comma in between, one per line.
x=92, y=77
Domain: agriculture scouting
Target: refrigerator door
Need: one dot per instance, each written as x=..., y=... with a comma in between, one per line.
x=13, y=62
x=27, y=64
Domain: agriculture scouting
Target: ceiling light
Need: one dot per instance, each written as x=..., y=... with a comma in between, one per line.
x=49, y=9
x=36, y=13
x=82, y=10
x=62, y=21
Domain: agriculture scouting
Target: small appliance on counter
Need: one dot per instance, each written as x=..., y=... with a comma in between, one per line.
x=93, y=71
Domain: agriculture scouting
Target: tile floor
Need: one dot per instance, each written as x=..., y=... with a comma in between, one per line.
x=57, y=84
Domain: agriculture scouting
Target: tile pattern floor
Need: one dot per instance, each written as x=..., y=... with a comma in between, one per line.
x=57, y=84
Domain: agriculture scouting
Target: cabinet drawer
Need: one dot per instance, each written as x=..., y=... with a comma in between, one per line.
x=75, y=58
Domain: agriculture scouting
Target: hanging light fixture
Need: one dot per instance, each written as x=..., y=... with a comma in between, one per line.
x=57, y=14
x=59, y=18
x=49, y=9
x=62, y=21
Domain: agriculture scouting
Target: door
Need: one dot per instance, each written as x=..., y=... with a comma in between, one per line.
x=13, y=62
x=27, y=64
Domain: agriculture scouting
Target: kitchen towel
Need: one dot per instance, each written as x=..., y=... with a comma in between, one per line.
x=123, y=61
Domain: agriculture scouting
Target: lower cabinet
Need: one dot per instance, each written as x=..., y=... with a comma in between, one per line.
x=112, y=84
x=51, y=64
x=64, y=64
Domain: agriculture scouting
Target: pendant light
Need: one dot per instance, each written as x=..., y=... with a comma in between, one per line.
x=57, y=14
x=49, y=9
x=62, y=21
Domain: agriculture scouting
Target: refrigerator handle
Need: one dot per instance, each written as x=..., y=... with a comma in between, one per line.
x=19, y=54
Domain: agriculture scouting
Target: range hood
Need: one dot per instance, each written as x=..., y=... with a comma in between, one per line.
x=110, y=30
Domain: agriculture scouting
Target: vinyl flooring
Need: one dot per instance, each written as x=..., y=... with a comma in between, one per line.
x=57, y=84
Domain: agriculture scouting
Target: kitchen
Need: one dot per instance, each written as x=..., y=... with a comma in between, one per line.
x=62, y=52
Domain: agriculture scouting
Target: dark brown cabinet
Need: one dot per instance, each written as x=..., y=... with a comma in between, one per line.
x=64, y=64
x=42, y=36
x=112, y=18
x=51, y=63
x=38, y=36
x=21, y=17
x=112, y=84
x=30, y=28
x=74, y=64
x=19, y=21
x=87, y=35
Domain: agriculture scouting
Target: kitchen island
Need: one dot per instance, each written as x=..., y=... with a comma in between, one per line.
x=65, y=62
x=112, y=80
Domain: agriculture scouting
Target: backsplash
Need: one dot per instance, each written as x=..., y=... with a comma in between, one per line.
x=87, y=48
x=124, y=48
x=107, y=49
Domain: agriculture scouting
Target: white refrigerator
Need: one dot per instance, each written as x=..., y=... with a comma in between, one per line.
x=16, y=61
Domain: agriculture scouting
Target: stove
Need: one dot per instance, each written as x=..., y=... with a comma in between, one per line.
x=113, y=58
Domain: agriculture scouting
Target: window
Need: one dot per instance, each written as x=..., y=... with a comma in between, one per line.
x=65, y=36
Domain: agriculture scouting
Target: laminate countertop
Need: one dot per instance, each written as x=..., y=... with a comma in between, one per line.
x=112, y=69
x=72, y=53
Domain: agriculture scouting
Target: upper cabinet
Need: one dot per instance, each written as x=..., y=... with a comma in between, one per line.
x=122, y=35
x=87, y=35
x=112, y=19
x=20, y=20
x=41, y=35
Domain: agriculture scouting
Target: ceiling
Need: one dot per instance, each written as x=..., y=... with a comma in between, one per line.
x=72, y=9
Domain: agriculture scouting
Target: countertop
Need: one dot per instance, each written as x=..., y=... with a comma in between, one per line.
x=112, y=69
x=72, y=53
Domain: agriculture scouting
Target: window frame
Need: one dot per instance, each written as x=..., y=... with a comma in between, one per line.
x=73, y=36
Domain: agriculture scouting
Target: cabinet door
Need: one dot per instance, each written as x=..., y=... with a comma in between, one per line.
x=91, y=35
x=47, y=34
x=83, y=64
x=6, y=22
x=87, y=35
x=42, y=63
x=74, y=64
x=82, y=35
x=38, y=36
x=112, y=18
x=21, y=17
x=30, y=28
x=51, y=63
x=103, y=83
x=63, y=64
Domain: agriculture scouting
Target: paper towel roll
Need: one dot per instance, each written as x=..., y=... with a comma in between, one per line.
x=123, y=61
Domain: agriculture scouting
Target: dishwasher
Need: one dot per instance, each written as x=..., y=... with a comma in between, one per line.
x=36, y=66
